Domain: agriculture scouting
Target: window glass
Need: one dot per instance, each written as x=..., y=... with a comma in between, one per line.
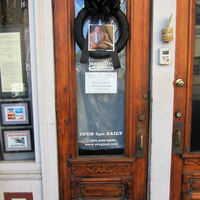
x=101, y=96
x=16, y=121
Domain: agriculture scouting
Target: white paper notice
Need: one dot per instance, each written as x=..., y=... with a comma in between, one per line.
x=10, y=62
x=101, y=82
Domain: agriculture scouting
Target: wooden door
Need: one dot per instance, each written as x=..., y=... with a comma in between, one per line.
x=103, y=173
x=185, y=177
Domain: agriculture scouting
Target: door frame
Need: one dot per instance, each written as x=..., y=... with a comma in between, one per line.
x=183, y=95
x=136, y=91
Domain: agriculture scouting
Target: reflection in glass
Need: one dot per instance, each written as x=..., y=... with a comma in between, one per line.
x=100, y=115
x=195, y=134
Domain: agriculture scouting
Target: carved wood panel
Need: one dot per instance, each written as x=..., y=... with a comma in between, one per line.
x=105, y=179
x=191, y=165
x=100, y=188
x=191, y=178
x=101, y=169
x=191, y=186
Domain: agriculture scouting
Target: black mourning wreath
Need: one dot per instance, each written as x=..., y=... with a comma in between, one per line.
x=103, y=10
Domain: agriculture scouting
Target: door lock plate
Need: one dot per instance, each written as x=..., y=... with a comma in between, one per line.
x=140, y=140
x=177, y=138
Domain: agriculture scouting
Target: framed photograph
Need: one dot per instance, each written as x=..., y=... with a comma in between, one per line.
x=18, y=196
x=101, y=37
x=15, y=113
x=17, y=140
x=13, y=83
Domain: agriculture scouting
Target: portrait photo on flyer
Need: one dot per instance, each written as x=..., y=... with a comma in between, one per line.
x=17, y=140
x=101, y=37
x=15, y=113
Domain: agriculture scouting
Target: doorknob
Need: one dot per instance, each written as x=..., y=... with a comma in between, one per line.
x=179, y=83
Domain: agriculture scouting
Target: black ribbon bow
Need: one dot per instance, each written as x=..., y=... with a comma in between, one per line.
x=106, y=8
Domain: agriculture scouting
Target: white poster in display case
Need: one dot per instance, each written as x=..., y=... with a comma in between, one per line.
x=13, y=80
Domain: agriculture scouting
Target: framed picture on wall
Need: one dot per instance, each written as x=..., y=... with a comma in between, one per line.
x=15, y=113
x=17, y=140
x=18, y=196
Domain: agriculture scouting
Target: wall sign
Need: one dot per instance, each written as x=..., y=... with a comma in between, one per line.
x=17, y=140
x=14, y=113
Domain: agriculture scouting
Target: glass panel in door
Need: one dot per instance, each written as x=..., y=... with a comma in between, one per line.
x=101, y=96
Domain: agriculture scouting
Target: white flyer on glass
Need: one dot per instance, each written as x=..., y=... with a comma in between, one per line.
x=10, y=62
x=101, y=82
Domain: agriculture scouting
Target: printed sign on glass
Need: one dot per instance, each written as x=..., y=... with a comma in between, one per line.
x=100, y=82
x=13, y=82
x=14, y=113
x=17, y=140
